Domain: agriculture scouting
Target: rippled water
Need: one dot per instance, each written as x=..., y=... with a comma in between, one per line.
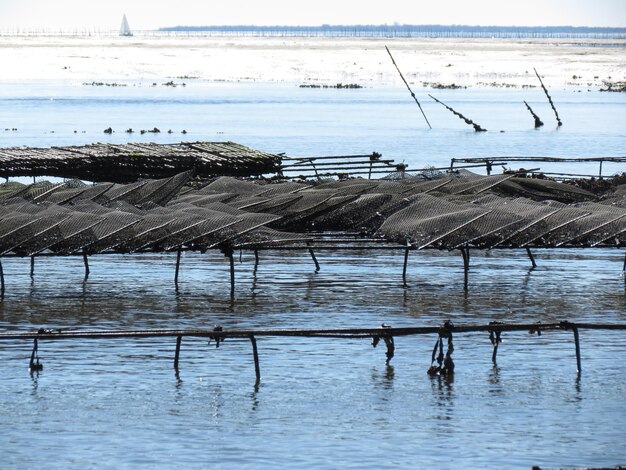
x=321, y=403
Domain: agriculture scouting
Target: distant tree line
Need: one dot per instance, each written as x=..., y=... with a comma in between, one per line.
x=406, y=30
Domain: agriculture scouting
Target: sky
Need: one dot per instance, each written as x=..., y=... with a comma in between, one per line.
x=152, y=14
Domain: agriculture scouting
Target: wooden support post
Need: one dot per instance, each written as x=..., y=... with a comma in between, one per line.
x=531, y=257
x=256, y=259
x=466, y=264
x=1, y=281
x=32, y=266
x=86, y=262
x=177, y=267
x=255, y=353
x=624, y=268
x=577, y=344
x=317, y=265
x=600, y=172
x=495, y=353
x=34, y=364
x=232, y=273
x=179, y=340
x=406, y=261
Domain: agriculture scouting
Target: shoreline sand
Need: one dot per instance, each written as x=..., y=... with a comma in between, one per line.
x=562, y=63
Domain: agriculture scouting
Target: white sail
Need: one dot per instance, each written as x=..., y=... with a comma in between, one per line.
x=125, y=29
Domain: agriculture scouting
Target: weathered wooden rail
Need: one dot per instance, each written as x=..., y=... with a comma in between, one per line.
x=440, y=364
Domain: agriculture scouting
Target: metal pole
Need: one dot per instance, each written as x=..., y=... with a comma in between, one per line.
x=255, y=352
x=179, y=340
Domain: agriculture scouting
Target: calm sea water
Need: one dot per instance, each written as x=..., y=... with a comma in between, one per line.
x=322, y=403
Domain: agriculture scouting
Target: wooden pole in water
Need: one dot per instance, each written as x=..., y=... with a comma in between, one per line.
x=34, y=364
x=558, y=120
x=538, y=122
x=577, y=345
x=179, y=340
x=406, y=261
x=477, y=127
x=255, y=353
x=532, y=258
x=86, y=262
x=32, y=266
x=1, y=281
x=466, y=264
x=408, y=87
x=317, y=265
x=232, y=273
x=177, y=267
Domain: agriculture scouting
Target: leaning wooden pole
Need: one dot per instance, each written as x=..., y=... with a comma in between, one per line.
x=558, y=120
x=408, y=87
x=538, y=121
x=476, y=126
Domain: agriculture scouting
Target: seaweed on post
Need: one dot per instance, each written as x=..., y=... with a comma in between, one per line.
x=476, y=126
x=538, y=121
x=558, y=120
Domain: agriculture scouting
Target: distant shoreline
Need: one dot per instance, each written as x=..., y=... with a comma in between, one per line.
x=582, y=64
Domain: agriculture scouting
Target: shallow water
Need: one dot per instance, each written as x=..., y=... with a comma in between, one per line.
x=321, y=403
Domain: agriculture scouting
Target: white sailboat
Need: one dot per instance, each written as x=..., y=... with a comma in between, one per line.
x=124, y=28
